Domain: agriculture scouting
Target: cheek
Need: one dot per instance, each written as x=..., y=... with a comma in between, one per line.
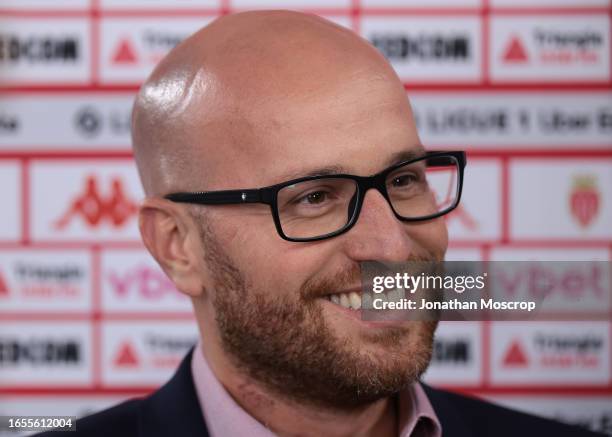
x=431, y=236
x=269, y=263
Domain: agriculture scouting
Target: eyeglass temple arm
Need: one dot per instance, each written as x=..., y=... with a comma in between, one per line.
x=218, y=197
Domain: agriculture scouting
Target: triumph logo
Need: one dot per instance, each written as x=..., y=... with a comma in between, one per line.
x=584, y=200
x=515, y=52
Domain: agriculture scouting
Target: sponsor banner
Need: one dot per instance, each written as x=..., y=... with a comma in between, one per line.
x=45, y=354
x=92, y=200
x=46, y=4
x=290, y=4
x=514, y=120
x=548, y=3
x=41, y=51
x=559, y=353
x=549, y=48
x=475, y=219
x=571, y=288
x=78, y=121
x=131, y=47
x=591, y=412
x=456, y=254
x=571, y=199
x=457, y=355
x=55, y=405
x=133, y=282
x=420, y=3
x=148, y=5
x=10, y=199
x=57, y=281
x=428, y=49
x=144, y=353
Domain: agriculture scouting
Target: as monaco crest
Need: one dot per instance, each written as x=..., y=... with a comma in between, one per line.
x=584, y=200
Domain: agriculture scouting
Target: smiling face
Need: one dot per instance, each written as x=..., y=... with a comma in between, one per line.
x=325, y=101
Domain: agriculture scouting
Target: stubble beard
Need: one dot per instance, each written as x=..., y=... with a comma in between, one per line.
x=282, y=341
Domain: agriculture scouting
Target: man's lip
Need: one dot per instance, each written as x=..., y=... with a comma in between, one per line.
x=346, y=290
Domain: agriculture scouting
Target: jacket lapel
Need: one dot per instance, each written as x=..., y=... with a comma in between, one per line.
x=174, y=409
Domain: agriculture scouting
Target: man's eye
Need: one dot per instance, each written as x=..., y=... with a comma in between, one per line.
x=314, y=198
x=403, y=180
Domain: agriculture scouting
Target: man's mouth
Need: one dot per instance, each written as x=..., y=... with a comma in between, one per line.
x=352, y=299
x=349, y=300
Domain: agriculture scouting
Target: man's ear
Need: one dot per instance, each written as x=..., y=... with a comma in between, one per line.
x=168, y=232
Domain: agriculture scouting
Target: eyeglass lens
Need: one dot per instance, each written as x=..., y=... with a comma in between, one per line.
x=318, y=207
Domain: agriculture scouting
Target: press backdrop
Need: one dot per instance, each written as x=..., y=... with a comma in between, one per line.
x=86, y=317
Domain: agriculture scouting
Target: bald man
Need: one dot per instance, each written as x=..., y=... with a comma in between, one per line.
x=278, y=152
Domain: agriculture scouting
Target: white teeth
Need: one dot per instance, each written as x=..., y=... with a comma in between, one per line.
x=355, y=300
x=344, y=301
x=350, y=300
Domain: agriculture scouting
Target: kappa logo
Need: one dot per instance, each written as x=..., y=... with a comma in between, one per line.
x=124, y=53
x=515, y=356
x=4, y=290
x=126, y=356
x=93, y=208
x=515, y=52
x=584, y=200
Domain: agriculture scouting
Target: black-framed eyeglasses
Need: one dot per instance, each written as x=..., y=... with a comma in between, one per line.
x=318, y=207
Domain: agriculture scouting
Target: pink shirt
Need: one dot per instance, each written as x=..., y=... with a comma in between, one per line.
x=224, y=417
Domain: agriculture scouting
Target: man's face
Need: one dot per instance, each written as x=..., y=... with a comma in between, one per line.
x=270, y=297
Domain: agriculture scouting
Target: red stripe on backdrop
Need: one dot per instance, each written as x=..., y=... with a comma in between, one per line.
x=44, y=13
x=480, y=152
x=45, y=154
x=552, y=87
x=25, y=201
x=542, y=390
x=505, y=201
x=356, y=16
x=96, y=305
x=551, y=11
x=484, y=18
x=95, y=42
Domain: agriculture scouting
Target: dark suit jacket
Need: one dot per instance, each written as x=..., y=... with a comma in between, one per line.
x=174, y=411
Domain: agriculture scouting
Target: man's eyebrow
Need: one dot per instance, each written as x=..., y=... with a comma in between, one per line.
x=322, y=171
x=406, y=155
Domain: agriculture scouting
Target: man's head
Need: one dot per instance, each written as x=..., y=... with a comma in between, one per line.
x=252, y=100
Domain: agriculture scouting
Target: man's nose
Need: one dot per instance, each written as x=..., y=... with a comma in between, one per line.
x=378, y=235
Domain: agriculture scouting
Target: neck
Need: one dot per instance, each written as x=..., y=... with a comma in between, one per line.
x=286, y=417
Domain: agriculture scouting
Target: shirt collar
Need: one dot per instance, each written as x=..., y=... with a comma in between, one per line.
x=224, y=416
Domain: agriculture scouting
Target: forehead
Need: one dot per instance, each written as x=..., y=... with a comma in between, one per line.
x=355, y=126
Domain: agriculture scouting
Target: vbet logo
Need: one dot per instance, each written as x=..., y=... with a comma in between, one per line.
x=94, y=200
x=551, y=352
x=548, y=47
x=133, y=282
